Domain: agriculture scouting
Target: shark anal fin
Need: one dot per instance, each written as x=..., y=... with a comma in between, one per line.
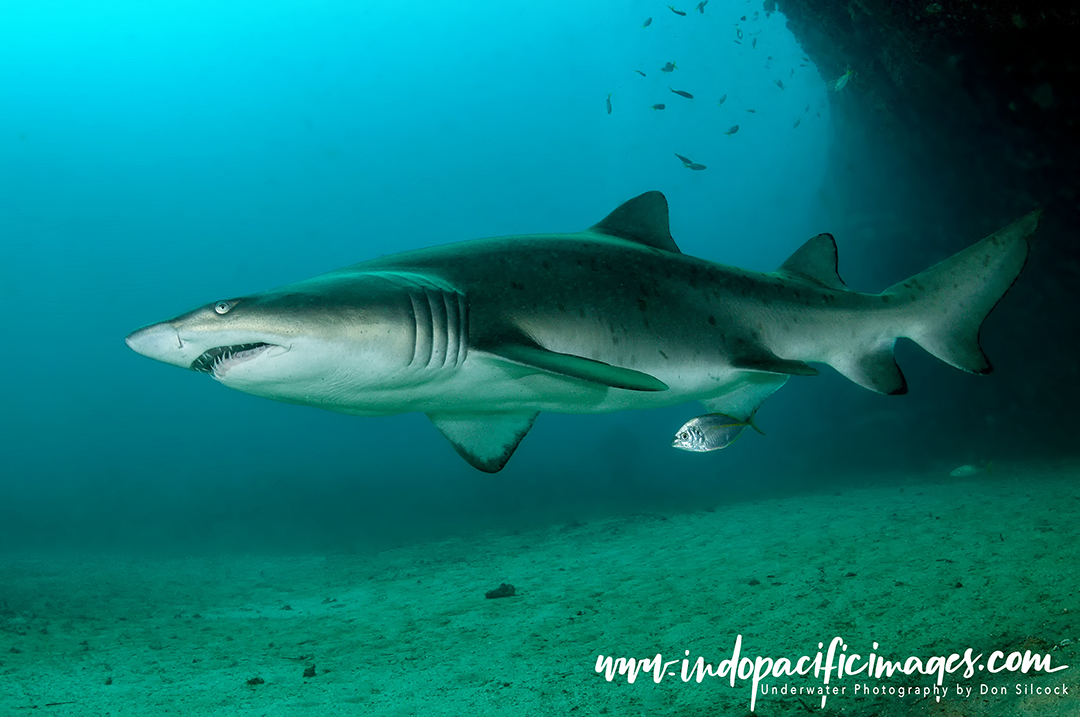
x=875, y=369
x=580, y=367
x=643, y=219
x=485, y=440
x=816, y=262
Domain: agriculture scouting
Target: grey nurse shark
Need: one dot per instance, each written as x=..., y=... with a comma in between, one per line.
x=482, y=335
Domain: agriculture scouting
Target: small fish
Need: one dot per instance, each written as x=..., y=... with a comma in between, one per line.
x=710, y=432
x=807, y=108
x=640, y=73
x=840, y=82
x=609, y=103
x=648, y=21
x=668, y=67
x=722, y=100
x=701, y=6
x=779, y=83
x=659, y=106
x=683, y=159
x=734, y=128
x=695, y=166
x=753, y=112
x=677, y=12
x=753, y=45
x=970, y=470
x=743, y=18
x=680, y=93
x=796, y=123
x=738, y=32
x=792, y=73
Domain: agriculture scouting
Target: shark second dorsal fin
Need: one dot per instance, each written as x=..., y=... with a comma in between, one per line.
x=485, y=440
x=643, y=219
x=815, y=261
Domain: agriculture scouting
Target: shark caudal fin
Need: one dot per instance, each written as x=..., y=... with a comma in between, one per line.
x=950, y=301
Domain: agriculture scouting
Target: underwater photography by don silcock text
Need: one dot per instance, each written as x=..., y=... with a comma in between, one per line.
x=592, y=358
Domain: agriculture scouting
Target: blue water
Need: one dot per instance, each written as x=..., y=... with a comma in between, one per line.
x=157, y=157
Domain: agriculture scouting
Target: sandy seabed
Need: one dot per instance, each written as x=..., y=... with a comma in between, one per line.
x=930, y=567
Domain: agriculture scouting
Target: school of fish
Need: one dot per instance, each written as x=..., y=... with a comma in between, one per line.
x=669, y=67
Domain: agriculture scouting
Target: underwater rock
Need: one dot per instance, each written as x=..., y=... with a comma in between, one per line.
x=504, y=590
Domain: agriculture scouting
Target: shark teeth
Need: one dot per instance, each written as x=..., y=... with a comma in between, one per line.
x=220, y=359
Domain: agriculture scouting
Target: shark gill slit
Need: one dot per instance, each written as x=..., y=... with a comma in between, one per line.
x=437, y=303
x=452, y=305
x=422, y=322
x=453, y=328
x=462, y=325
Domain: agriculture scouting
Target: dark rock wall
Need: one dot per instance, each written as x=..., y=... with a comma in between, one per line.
x=980, y=94
x=961, y=117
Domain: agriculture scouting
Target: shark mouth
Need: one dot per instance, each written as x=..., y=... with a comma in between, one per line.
x=217, y=361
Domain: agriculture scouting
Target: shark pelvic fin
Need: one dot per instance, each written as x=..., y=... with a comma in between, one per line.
x=768, y=362
x=816, y=262
x=744, y=396
x=485, y=440
x=579, y=367
x=643, y=219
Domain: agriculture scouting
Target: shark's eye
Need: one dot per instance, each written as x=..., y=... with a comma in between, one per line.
x=222, y=307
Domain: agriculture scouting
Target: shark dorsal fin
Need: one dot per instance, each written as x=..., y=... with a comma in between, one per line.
x=643, y=219
x=485, y=440
x=815, y=261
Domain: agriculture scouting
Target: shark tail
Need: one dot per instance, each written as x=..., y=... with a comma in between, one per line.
x=948, y=302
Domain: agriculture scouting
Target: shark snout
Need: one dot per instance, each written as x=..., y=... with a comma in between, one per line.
x=160, y=342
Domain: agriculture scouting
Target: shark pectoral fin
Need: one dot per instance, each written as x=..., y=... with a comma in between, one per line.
x=578, y=367
x=875, y=370
x=485, y=440
x=816, y=262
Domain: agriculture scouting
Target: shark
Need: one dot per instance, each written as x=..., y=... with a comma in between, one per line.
x=483, y=335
